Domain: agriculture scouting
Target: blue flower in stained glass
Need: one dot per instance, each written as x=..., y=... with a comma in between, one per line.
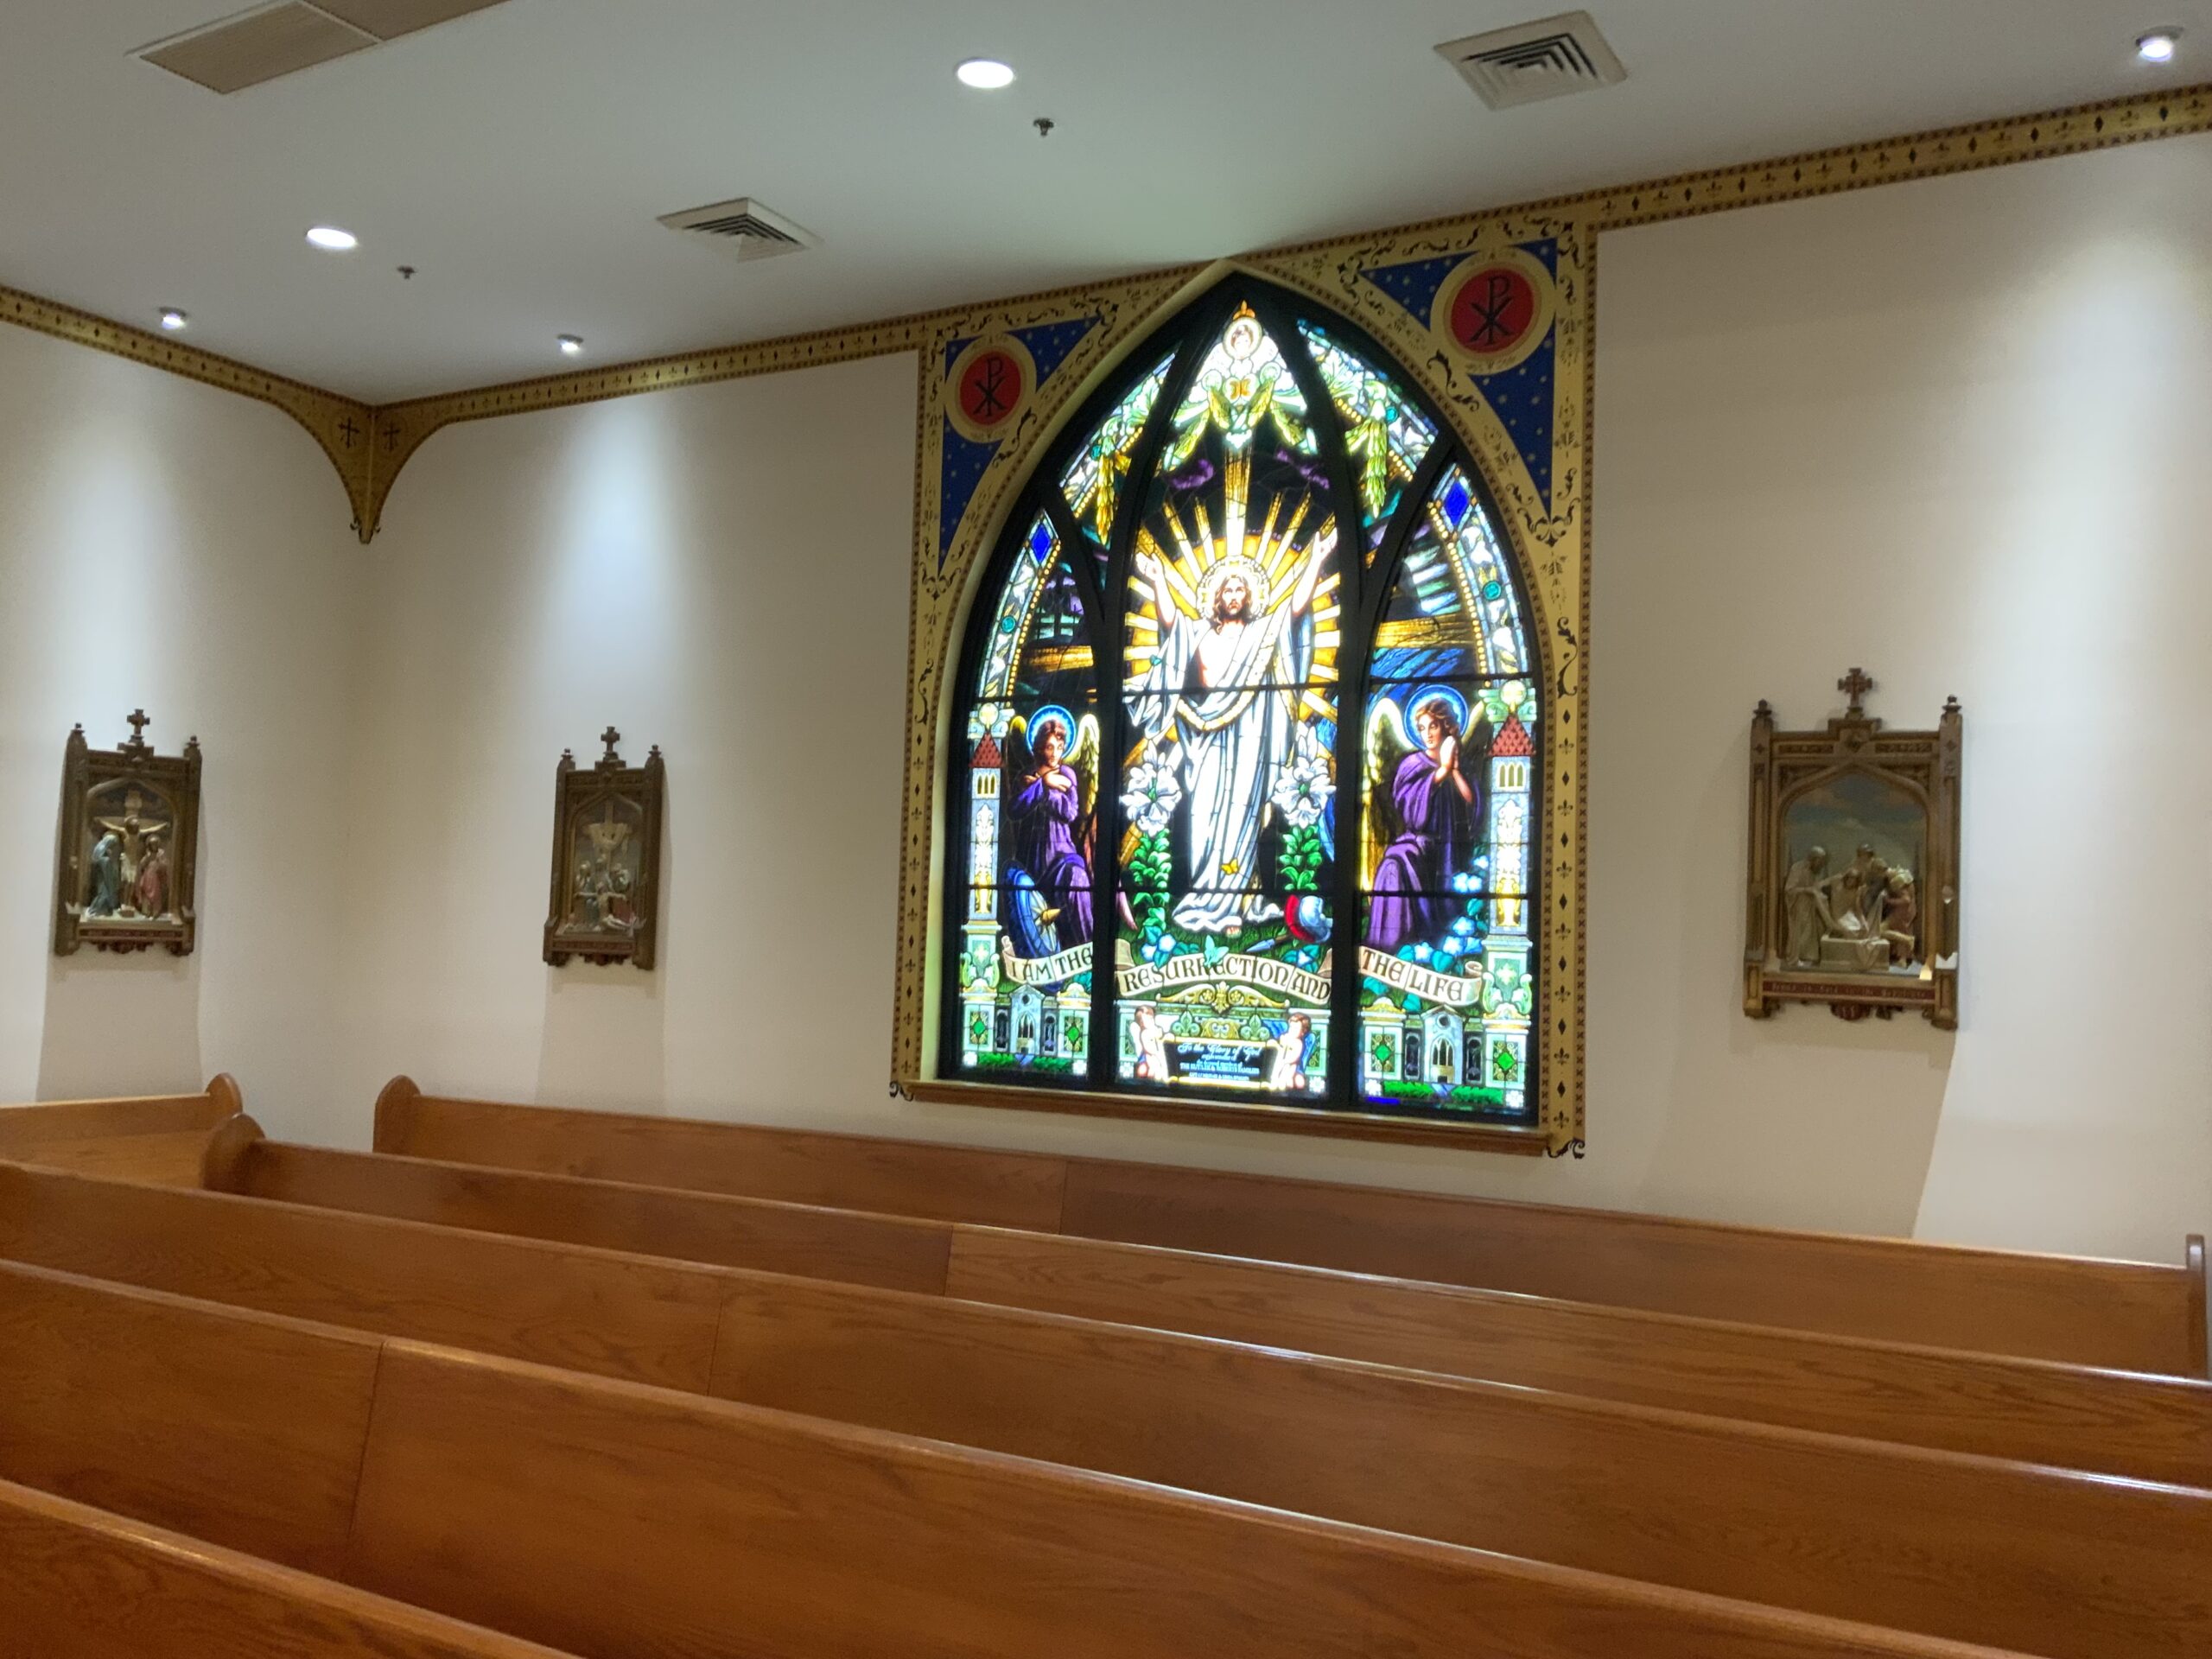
x=1456, y=500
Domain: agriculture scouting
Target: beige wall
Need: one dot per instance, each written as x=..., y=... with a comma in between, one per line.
x=166, y=544
x=1956, y=431
x=1950, y=431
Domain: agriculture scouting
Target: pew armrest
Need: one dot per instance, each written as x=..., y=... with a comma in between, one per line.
x=2200, y=1304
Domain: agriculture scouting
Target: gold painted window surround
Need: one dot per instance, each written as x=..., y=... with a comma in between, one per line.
x=1549, y=529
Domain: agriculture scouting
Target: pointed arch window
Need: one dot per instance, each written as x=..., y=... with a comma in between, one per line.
x=1247, y=748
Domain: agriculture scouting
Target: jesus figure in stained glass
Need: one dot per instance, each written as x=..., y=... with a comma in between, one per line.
x=1219, y=710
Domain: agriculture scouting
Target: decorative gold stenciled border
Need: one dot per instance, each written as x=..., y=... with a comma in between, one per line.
x=339, y=425
x=342, y=425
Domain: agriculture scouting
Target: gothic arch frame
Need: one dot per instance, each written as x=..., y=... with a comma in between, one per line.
x=957, y=534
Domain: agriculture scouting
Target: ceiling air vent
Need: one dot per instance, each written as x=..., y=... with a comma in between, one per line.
x=1549, y=58
x=234, y=52
x=743, y=227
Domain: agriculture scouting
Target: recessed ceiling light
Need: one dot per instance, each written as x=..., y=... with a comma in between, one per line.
x=985, y=74
x=2159, y=45
x=331, y=239
x=171, y=319
x=572, y=345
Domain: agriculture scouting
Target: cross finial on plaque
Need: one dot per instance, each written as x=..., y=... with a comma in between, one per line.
x=1856, y=685
x=138, y=722
x=610, y=737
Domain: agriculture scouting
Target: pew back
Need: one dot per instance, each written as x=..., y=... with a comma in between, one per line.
x=127, y=1400
x=153, y=1137
x=1455, y=1461
x=610, y=1519
x=77, y=1583
x=897, y=1252
x=2152, y=1427
x=2124, y=1315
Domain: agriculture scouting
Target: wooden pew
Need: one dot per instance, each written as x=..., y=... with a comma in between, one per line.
x=2129, y=1316
x=613, y=1520
x=156, y=1138
x=1464, y=1462
x=2151, y=1427
x=898, y=1252
x=77, y=1583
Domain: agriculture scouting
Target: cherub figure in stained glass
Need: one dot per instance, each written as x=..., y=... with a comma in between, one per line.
x=1242, y=383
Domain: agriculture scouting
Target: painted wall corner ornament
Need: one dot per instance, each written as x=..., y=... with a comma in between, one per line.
x=127, y=853
x=1852, y=897
x=606, y=831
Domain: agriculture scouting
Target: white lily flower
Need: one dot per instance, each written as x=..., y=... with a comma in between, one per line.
x=1151, y=797
x=1302, y=790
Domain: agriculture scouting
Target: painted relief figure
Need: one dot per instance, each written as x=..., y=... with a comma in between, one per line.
x=1873, y=929
x=129, y=824
x=606, y=847
x=604, y=904
x=119, y=856
x=1805, y=894
x=1832, y=917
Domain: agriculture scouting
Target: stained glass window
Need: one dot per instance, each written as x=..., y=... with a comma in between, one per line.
x=1286, y=859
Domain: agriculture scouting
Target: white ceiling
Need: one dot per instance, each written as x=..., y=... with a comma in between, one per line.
x=519, y=157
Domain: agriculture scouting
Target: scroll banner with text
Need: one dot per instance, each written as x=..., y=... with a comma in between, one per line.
x=1145, y=978
x=1045, y=970
x=1454, y=990
x=1399, y=975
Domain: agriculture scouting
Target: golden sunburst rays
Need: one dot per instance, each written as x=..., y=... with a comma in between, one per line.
x=1456, y=562
x=1277, y=552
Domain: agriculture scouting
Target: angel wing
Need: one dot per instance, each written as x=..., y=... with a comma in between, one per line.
x=1388, y=743
x=1082, y=760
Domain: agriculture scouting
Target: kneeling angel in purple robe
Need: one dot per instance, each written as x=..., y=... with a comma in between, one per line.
x=1438, y=824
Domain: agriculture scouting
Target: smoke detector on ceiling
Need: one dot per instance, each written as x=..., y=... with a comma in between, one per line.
x=1549, y=58
x=742, y=227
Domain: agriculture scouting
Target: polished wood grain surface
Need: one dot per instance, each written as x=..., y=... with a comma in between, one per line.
x=909, y=1178
x=899, y=1252
x=1803, y=1520
x=2125, y=1315
x=79, y=1583
x=1966, y=1547
x=2122, y=1315
x=234, y=1426
x=2154, y=1426
x=512, y=1302
x=637, y=1317
x=614, y=1521
x=153, y=1137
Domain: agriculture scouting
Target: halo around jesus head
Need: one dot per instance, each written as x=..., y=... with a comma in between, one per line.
x=1255, y=580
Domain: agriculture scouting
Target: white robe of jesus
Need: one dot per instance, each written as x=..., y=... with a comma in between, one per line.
x=1229, y=742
